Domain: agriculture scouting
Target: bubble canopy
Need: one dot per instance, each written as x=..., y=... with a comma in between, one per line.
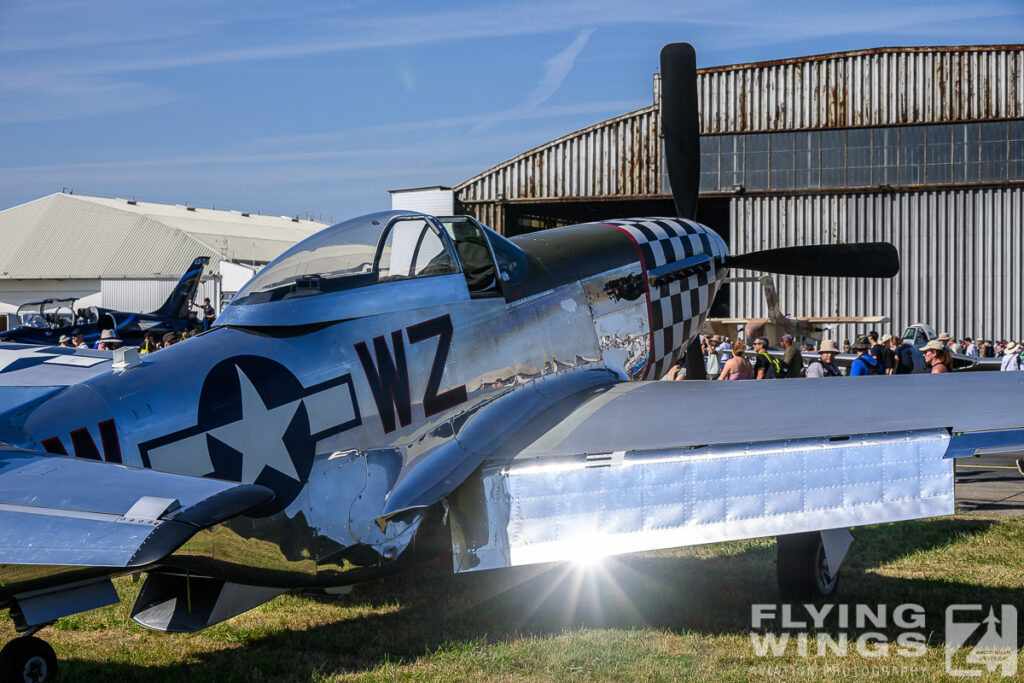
x=375, y=248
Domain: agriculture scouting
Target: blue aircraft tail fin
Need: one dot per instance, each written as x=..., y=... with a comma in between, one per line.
x=177, y=303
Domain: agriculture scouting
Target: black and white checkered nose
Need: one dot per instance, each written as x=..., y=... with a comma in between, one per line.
x=678, y=306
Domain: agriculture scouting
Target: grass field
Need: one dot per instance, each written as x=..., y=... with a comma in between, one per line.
x=675, y=615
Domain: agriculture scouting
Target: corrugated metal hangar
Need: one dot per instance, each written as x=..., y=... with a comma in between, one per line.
x=128, y=255
x=923, y=147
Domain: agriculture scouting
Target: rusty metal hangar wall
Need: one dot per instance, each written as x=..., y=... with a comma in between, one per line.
x=923, y=147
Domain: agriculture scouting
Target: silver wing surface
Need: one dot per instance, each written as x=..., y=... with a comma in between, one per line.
x=639, y=466
x=28, y=365
x=67, y=525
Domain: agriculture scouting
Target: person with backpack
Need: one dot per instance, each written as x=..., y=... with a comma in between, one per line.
x=825, y=366
x=765, y=367
x=792, y=360
x=908, y=358
x=864, y=364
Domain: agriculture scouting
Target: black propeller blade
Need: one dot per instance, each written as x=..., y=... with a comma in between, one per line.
x=865, y=259
x=680, y=125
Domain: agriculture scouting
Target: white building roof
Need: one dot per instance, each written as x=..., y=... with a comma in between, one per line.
x=76, y=236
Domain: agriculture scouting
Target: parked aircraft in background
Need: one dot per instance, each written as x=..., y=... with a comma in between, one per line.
x=805, y=329
x=44, y=313
x=49, y=323
x=398, y=378
x=919, y=334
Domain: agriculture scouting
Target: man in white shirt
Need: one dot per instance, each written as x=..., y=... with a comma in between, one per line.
x=972, y=349
x=711, y=364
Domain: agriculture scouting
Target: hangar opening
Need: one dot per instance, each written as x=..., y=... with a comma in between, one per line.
x=917, y=146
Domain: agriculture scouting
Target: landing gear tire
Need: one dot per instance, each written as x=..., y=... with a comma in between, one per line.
x=28, y=660
x=802, y=570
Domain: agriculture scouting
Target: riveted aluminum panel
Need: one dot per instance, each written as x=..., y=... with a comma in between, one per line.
x=662, y=499
x=962, y=266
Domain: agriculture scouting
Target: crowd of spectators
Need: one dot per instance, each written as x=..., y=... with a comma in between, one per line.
x=875, y=355
x=108, y=341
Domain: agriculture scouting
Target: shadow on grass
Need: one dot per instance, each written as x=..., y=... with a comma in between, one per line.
x=707, y=592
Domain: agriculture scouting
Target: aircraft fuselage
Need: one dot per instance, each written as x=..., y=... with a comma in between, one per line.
x=334, y=409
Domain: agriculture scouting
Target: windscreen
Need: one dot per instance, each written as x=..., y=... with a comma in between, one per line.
x=352, y=254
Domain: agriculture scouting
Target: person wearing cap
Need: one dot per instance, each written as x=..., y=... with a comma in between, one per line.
x=108, y=341
x=765, y=367
x=792, y=360
x=864, y=363
x=952, y=344
x=711, y=363
x=985, y=349
x=65, y=340
x=825, y=365
x=886, y=356
x=78, y=339
x=1011, y=357
x=170, y=338
x=937, y=356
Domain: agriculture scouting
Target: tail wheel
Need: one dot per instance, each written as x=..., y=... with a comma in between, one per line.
x=28, y=660
x=802, y=569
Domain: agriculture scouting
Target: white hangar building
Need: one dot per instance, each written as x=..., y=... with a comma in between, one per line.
x=128, y=255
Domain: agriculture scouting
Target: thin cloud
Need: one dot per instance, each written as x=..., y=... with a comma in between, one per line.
x=454, y=145
x=555, y=71
x=759, y=24
x=455, y=122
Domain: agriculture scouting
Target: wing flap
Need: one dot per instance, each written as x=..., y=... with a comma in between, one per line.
x=566, y=508
x=641, y=466
x=66, y=512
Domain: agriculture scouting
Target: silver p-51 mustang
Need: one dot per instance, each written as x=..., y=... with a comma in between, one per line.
x=400, y=374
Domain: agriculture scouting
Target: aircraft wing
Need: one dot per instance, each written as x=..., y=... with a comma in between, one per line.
x=34, y=365
x=67, y=525
x=837, y=319
x=627, y=467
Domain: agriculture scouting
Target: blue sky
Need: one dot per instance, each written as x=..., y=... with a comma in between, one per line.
x=319, y=107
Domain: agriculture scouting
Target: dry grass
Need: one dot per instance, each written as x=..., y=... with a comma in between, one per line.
x=673, y=615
